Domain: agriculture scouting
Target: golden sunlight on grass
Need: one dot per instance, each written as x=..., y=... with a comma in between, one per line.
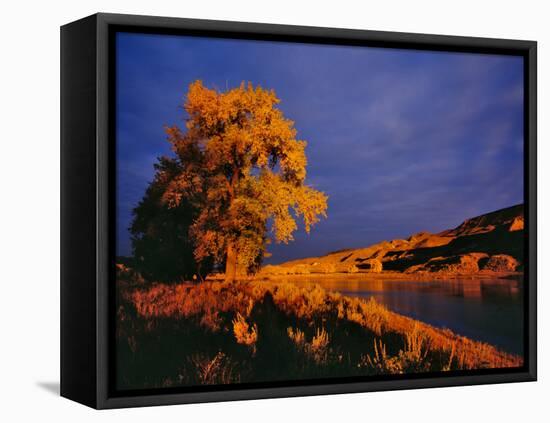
x=249, y=331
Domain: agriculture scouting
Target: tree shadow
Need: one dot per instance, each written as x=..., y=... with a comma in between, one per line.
x=51, y=387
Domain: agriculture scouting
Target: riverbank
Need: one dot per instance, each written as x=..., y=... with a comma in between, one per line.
x=384, y=275
x=253, y=331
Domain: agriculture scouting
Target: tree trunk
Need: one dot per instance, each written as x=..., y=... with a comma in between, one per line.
x=231, y=263
x=231, y=259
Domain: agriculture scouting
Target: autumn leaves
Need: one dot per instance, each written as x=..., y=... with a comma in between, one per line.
x=241, y=167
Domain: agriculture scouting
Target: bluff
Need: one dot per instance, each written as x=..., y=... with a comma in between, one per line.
x=489, y=243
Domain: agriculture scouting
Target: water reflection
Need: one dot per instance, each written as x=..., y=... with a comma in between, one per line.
x=488, y=310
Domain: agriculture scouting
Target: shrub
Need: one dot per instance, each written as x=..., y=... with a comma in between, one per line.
x=380, y=362
x=318, y=347
x=214, y=371
x=297, y=336
x=244, y=333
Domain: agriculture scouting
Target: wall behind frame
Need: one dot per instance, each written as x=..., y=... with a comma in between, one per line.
x=30, y=213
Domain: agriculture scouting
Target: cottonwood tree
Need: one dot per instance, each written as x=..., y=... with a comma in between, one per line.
x=161, y=246
x=242, y=167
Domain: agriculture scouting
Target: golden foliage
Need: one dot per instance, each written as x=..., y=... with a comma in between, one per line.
x=242, y=165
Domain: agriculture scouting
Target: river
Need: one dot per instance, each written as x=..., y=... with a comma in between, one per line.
x=488, y=310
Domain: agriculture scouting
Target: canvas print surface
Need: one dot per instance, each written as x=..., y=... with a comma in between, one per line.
x=292, y=212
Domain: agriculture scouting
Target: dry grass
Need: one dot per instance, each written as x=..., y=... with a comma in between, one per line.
x=270, y=330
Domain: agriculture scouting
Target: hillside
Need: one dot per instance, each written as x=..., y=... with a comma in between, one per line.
x=489, y=243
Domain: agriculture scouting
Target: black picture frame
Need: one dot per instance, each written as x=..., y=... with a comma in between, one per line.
x=87, y=206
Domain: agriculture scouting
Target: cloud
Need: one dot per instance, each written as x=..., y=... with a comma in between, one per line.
x=400, y=140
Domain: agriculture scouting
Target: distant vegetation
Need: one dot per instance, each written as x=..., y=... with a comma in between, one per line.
x=219, y=332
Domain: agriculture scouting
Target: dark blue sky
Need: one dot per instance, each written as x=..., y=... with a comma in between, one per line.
x=402, y=141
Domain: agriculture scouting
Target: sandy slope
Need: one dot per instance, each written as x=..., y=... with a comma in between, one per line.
x=488, y=244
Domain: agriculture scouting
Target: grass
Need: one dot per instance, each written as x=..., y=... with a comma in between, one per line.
x=253, y=331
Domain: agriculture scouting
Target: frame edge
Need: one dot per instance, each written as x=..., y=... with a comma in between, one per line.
x=78, y=240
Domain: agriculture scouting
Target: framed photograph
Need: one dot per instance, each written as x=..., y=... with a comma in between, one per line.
x=254, y=211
